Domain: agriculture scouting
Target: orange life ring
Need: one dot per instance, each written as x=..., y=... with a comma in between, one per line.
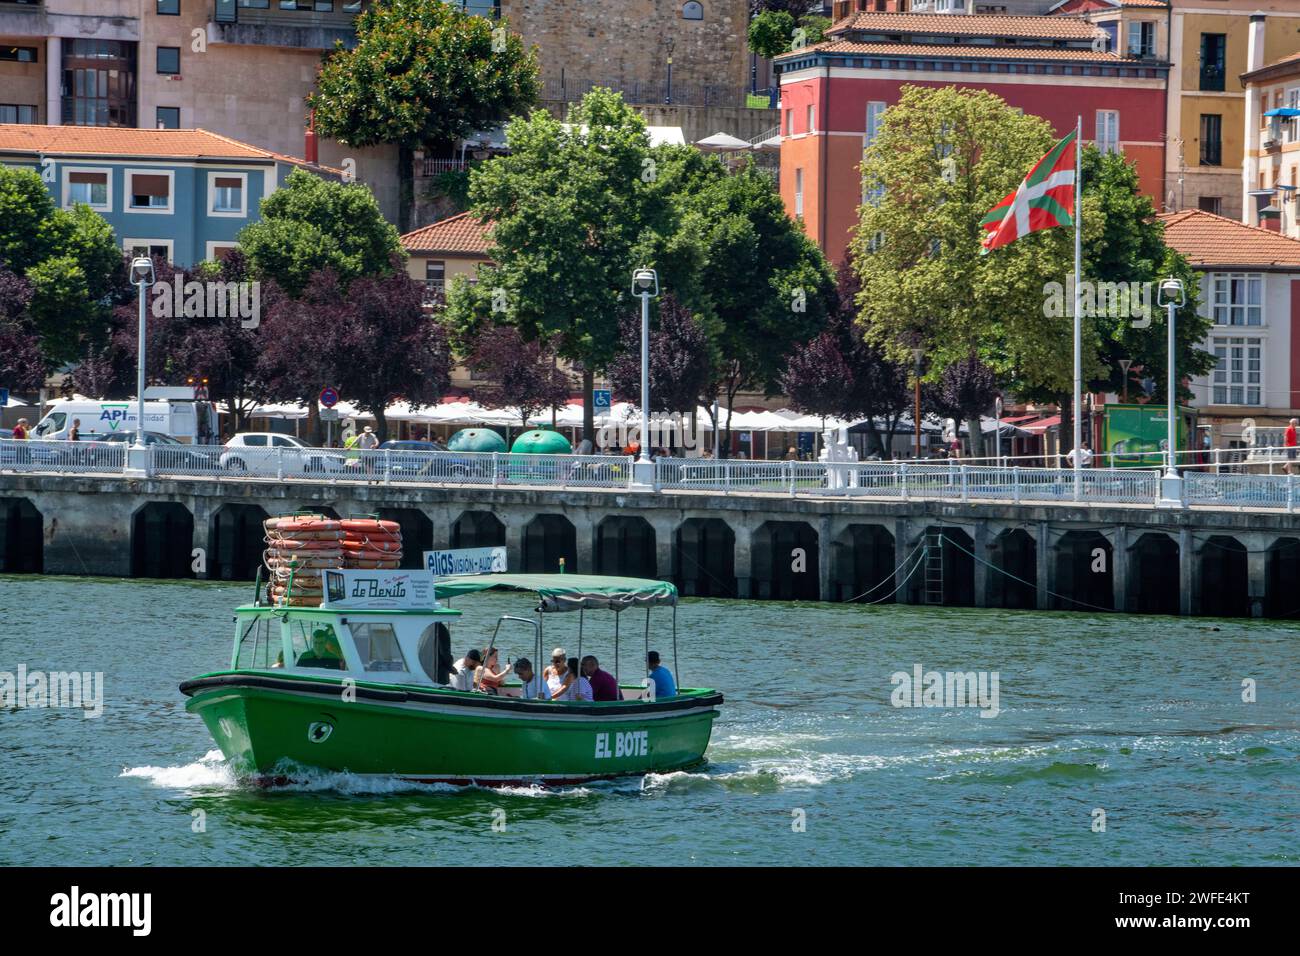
x=372, y=544
x=368, y=565
x=372, y=556
x=371, y=526
x=304, y=564
x=303, y=523
x=275, y=535
x=296, y=544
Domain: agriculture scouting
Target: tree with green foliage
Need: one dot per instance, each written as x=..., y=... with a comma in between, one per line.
x=313, y=223
x=773, y=32
x=422, y=74
x=570, y=206
x=770, y=32
x=760, y=286
x=70, y=259
x=1123, y=241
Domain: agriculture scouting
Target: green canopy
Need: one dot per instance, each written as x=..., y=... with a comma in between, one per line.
x=567, y=592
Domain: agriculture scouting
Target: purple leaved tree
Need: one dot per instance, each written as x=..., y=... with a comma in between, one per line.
x=22, y=369
x=518, y=373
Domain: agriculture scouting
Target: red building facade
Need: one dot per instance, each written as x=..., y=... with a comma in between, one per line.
x=834, y=94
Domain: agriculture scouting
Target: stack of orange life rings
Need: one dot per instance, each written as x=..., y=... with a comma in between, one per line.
x=371, y=543
x=302, y=546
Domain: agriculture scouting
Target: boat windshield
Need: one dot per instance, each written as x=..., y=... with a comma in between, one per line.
x=315, y=644
x=259, y=644
x=378, y=648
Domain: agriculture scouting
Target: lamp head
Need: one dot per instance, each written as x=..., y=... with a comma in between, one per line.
x=1171, y=292
x=142, y=271
x=645, y=282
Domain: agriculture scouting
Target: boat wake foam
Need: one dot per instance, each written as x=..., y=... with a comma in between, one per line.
x=209, y=771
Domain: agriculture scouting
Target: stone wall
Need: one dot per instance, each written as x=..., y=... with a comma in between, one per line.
x=631, y=40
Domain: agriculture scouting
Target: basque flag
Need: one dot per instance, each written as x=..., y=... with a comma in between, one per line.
x=1045, y=199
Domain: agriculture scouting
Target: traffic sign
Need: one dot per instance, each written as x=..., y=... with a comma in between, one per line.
x=329, y=396
x=201, y=393
x=4, y=397
x=329, y=414
x=601, y=400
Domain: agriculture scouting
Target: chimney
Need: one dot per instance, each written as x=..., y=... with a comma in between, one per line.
x=1255, y=44
x=310, y=151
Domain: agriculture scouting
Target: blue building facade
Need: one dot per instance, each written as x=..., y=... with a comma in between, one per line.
x=186, y=205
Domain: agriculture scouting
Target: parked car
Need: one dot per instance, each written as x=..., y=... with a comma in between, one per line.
x=264, y=453
x=177, y=455
x=409, y=457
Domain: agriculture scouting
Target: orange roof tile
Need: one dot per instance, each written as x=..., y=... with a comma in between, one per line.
x=944, y=51
x=1210, y=240
x=124, y=141
x=974, y=25
x=462, y=233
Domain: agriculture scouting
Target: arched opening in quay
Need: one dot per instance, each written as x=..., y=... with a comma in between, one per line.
x=1154, y=586
x=22, y=537
x=162, y=541
x=785, y=560
x=1013, y=579
x=1225, y=578
x=478, y=529
x=706, y=558
x=546, y=539
x=417, y=534
x=1085, y=572
x=236, y=542
x=625, y=545
x=946, y=574
x=862, y=565
x=1281, y=575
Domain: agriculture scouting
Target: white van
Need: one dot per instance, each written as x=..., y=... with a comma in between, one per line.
x=183, y=420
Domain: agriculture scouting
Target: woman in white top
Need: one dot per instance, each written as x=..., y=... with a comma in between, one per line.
x=573, y=686
x=554, y=673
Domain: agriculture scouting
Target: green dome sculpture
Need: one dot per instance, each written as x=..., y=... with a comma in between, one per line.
x=541, y=442
x=476, y=439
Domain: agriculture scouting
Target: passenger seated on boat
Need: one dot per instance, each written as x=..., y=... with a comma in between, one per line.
x=487, y=677
x=324, y=652
x=463, y=676
x=603, y=685
x=534, y=687
x=573, y=686
x=554, y=672
x=665, y=686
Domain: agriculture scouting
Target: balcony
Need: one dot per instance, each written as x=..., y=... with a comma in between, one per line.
x=101, y=19
x=301, y=29
x=1212, y=77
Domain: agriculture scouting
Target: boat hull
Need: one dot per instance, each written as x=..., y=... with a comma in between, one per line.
x=267, y=724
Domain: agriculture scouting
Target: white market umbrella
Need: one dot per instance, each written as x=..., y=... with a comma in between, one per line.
x=722, y=143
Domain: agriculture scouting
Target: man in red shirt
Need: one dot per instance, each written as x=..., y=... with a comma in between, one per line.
x=20, y=430
x=603, y=685
x=1289, y=440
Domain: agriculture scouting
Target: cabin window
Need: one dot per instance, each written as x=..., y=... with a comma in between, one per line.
x=259, y=645
x=317, y=646
x=377, y=647
x=435, y=652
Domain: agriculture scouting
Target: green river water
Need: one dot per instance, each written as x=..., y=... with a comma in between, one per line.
x=810, y=763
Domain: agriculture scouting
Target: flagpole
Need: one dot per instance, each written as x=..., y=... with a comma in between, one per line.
x=1078, y=331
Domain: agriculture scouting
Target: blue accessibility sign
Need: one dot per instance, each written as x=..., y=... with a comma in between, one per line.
x=4, y=397
x=601, y=400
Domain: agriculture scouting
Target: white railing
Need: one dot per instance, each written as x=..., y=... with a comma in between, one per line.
x=62, y=457
x=950, y=480
x=390, y=466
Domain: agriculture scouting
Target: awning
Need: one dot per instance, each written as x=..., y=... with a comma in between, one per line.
x=567, y=592
x=1287, y=111
x=722, y=143
x=1043, y=424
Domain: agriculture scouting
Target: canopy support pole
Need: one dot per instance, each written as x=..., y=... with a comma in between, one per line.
x=581, y=611
x=647, y=635
x=616, y=684
x=677, y=675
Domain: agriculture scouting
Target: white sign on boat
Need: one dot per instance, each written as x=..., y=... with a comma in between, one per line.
x=466, y=561
x=382, y=590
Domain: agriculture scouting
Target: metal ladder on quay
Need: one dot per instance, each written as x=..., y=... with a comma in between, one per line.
x=933, y=584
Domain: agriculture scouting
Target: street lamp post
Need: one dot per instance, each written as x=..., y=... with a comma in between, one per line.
x=1125, y=364
x=917, y=354
x=645, y=283
x=141, y=277
x=1171, y=486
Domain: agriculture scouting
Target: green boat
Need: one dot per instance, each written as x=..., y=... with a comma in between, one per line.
x=360, y=684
